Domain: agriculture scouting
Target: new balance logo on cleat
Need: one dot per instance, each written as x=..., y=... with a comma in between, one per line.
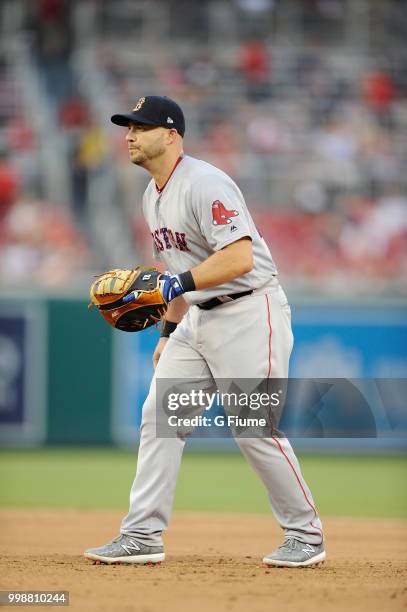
x=131, y=545
x=308, y=550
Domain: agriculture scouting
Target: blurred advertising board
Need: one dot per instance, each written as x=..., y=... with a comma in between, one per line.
x=349, y=342
x=132, y=373
x=23, y=339
x=331, y=341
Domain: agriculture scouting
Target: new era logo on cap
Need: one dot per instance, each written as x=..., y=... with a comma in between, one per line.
x=155, y=111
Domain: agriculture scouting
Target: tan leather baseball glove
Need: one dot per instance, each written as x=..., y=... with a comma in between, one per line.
x=129, y=300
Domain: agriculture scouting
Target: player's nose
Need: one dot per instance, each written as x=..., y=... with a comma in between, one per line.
x=130, y=136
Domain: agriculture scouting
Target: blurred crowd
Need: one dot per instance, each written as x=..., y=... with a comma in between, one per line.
x=311, y=125
x=41, y=242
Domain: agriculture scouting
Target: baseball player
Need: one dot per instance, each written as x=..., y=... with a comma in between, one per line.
x=228, y=317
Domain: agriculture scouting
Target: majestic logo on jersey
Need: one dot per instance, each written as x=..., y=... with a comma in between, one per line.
x=165, y=238
x=221, y=215
x=139, y=105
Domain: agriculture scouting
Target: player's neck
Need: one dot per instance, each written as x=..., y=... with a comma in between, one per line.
x=164, y=169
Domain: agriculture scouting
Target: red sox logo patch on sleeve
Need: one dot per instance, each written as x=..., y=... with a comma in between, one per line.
x=221, y=215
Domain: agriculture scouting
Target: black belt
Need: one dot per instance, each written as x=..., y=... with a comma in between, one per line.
x=217, y=302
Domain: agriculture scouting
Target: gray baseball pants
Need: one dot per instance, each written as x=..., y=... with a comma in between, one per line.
x=248, y=338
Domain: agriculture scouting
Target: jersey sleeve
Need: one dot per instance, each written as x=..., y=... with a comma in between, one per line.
x=221, y=211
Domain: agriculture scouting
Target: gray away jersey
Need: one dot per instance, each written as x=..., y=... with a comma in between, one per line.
x=200, y=211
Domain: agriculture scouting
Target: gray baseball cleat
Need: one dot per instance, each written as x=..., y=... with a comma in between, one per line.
x=126, y=549
x=294, y=553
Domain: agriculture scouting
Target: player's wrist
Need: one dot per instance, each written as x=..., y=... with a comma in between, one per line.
x=172, y=286
x=187, y=281
x=168, y=328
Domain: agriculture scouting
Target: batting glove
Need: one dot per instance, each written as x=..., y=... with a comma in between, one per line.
x=172, y=286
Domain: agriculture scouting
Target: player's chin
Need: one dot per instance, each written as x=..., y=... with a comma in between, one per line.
x=137, y=159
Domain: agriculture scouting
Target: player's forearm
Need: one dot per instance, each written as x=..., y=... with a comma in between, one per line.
x=223, y=266
x=176, y=310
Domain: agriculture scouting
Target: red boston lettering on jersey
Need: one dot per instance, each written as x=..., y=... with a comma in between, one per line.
x=179, y=241
x=164, y=233
x=221, y=215
x=156, y=239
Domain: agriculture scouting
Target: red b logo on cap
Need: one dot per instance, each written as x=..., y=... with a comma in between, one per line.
x=221, y=215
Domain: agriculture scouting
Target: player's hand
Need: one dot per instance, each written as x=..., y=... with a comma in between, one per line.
x=170, y=286
x=158, y=350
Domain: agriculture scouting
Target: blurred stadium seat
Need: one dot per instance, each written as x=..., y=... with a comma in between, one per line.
x=302, y=103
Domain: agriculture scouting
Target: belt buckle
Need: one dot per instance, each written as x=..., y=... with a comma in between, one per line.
x=224, y=298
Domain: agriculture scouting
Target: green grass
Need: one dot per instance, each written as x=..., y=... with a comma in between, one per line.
x=363, y=486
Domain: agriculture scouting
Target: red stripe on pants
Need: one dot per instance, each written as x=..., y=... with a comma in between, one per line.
x=300, y=483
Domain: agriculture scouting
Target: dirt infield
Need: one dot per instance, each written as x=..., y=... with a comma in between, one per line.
x=213, y=563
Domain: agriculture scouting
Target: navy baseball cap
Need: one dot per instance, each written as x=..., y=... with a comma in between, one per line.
x=154, y=110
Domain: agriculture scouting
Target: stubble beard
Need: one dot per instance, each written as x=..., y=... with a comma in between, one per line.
x=144, y=157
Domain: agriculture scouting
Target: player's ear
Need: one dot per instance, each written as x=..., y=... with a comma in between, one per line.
x=172, y=135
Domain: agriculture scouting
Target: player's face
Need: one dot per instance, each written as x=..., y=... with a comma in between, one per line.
x=145, y=143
